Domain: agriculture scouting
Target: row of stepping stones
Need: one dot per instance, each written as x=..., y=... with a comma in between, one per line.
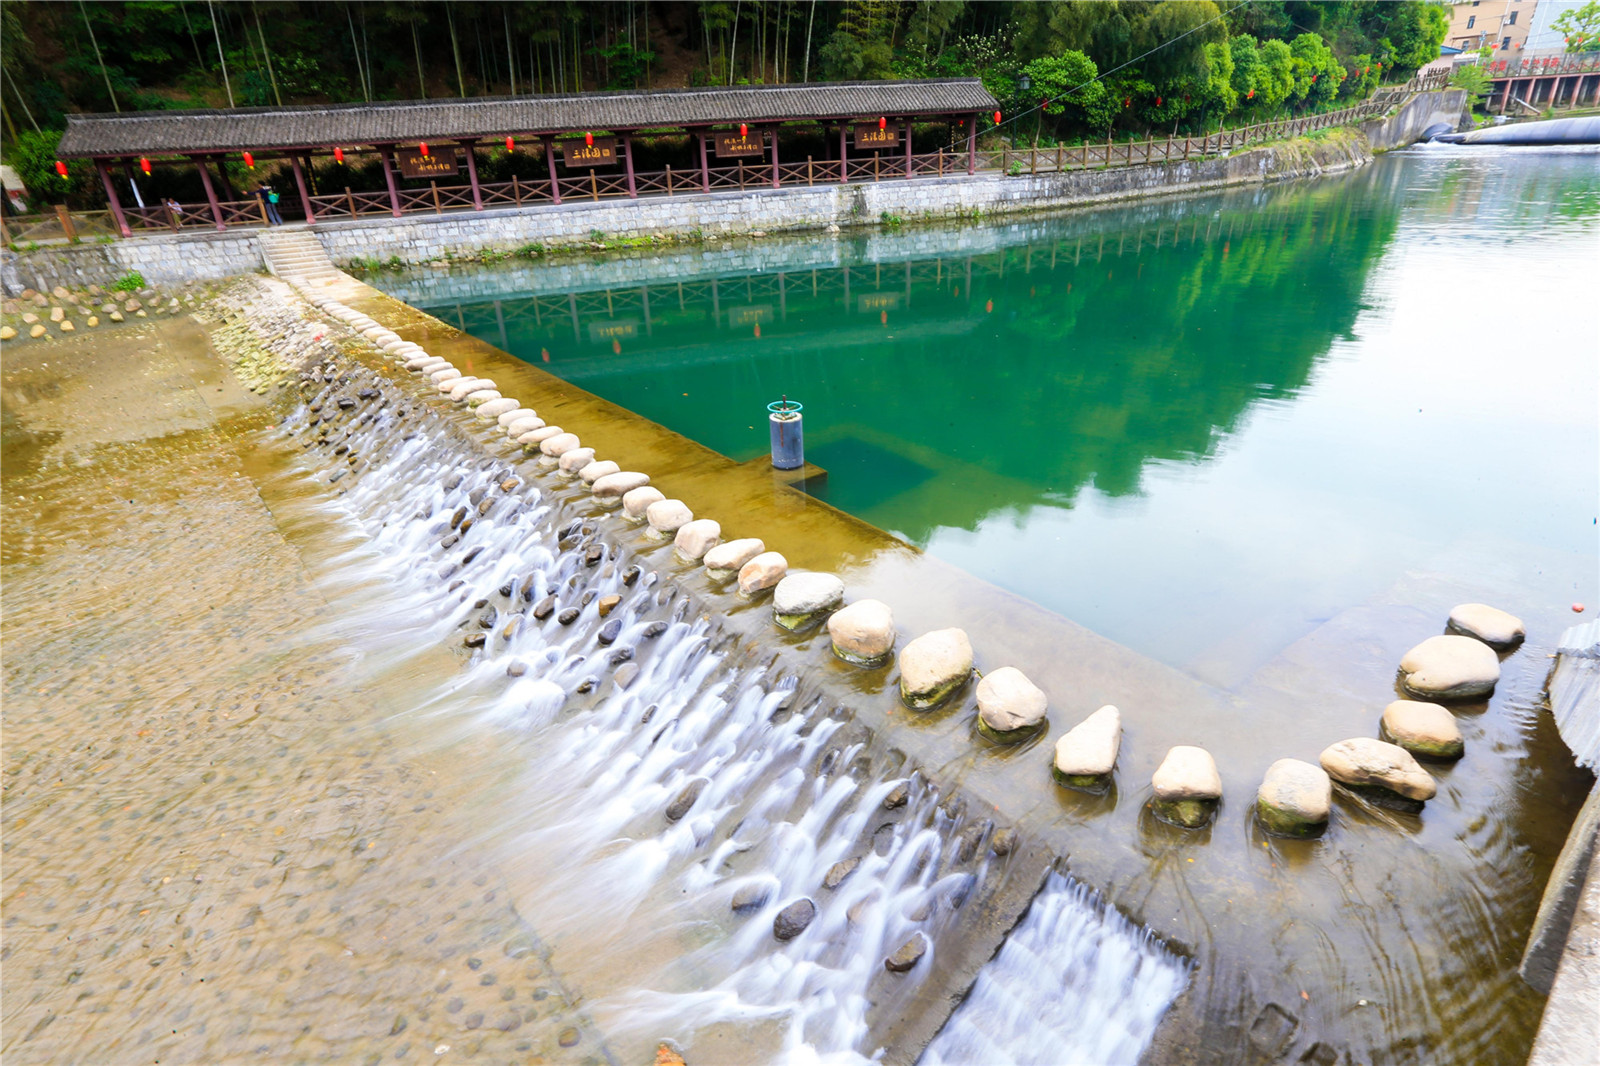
x=936, y=664
x=1294, y=798
x=1462, y=664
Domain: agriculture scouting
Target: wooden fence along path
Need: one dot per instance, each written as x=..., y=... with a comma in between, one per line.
x=595, y=185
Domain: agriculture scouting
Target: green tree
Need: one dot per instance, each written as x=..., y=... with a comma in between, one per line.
x=1069, y=84
x=1174, y=33
x=1361, y=79
x=1474, y=80
x=1245, y=52
x=1581, y=27
x=927, y=28
x=33, y=154
x=860, y=49
x=1317, y=71
x=1275, y=77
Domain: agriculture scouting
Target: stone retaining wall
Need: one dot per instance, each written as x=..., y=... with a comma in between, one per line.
x=183, y=257
x=163, y=259
x=422, y=238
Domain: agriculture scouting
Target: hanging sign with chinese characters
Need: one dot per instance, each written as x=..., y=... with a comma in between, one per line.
x=873, y=137
x=576, y=154
x=438, y=163
x=739, y=146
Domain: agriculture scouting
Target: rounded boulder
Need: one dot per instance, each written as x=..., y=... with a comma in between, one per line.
x=1450, y=667
x=694, y=539
x=1294, y=799
x=731, y=555
x=763, y=572
x=863, y=632
x=1426, y=730
x=1491, y=625
x=933, y=666
x=1010, y=707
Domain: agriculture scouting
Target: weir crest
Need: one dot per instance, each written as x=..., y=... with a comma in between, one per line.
x=682, y=773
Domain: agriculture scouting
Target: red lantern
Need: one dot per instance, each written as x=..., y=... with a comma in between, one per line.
x=249, y=160
x=588, y=138
x=1127, y=101
x=1251, y=95
x=422, y=149
x=338, y=155
x=61, y=168
x=882, y=122
x=1158, y=101
x=1313, y=77
x=997, y=118
x=510, y=144
x=144, y=164
x=744, y=130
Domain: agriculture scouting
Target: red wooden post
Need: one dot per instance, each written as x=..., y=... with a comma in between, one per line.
x=111, y=198
x=844, y=155
x=211, y=193
x=228, y=192
x=909, y=170
x=472, y=174
x=300, y=182
x=550, y=158
x=775, y=175
x=386, y=153
x=972, y=144
x=705, y=165
x=627, y=162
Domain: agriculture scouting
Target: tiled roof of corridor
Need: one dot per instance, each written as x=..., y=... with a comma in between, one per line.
x=159, y=132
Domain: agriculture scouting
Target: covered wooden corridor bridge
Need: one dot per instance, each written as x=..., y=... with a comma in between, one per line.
x=587, y=141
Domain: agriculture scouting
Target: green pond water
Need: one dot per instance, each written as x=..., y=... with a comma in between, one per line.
x=1200, y=426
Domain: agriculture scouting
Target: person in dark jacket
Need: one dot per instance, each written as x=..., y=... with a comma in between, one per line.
x=269, y=199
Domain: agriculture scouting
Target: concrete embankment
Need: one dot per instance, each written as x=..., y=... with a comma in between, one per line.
x=182, y=257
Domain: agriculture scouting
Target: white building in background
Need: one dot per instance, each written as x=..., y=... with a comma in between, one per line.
x=1541, y=38
x=1502, y=25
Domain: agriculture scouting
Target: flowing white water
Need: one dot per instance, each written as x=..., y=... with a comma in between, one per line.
x=1076, y=982
x=651, y=800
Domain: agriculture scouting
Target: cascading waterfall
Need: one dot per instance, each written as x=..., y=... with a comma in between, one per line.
x=672, y=771
x=1075, y=982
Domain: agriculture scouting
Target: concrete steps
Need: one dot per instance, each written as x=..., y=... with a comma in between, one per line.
x=296, y=254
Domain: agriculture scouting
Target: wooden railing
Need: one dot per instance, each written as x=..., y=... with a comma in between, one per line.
x=745, y=174
x=59, y=225
x=1019, y=161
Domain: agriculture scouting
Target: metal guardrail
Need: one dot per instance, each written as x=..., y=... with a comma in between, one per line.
x=1544, y=66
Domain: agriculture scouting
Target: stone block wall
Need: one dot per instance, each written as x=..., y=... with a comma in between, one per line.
x=163, y=259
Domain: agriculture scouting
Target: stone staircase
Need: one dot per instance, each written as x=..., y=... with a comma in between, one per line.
x=296, y=253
